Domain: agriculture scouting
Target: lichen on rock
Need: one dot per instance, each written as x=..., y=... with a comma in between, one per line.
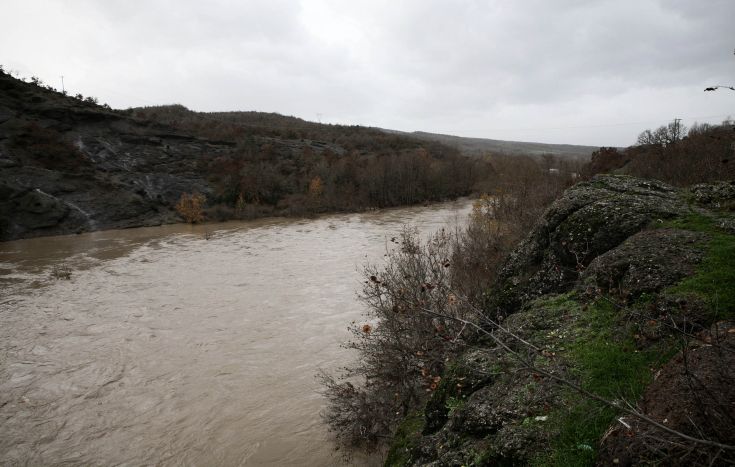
x=601, y=292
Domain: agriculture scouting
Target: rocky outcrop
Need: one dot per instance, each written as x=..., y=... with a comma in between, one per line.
x=646, y=263
x=68, y=166
x=590, y=219
x=719, y=195
x=617, y=273
x=692, y=394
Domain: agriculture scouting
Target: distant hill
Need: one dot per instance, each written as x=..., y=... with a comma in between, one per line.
x=70, y=165
x=480, y=146
x=274, y=124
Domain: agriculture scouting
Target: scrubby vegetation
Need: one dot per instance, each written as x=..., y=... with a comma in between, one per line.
x=603, y=336
x=705, y=154
x=286, y=165
x=104, y=168
x=421, y=302
x=190, y=207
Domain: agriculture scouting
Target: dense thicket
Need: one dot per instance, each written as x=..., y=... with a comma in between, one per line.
x=705, y=154
x=287, y=165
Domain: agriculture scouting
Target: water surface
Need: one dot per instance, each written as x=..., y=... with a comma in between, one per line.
x=165, y=347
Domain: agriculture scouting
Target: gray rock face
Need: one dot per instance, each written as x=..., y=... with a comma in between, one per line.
x=38, y=209
x=719, y=195
x=67, y=166
x=590, y=219
x=646, y=262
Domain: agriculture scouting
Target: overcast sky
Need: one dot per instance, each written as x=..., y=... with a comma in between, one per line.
x=562, y=71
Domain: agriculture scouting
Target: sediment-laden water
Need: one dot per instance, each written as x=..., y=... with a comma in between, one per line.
x=182, y=345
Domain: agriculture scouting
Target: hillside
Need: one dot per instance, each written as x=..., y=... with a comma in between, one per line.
x=480, y=146
x=70, y=165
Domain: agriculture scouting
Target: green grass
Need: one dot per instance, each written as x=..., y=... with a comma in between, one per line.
x=605, y=358
x=693, y=221
x=606, y=361
x=408, y=432
x=714, y=280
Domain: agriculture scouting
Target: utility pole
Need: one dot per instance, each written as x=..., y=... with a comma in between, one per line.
x=677, y=129
x=63, y=91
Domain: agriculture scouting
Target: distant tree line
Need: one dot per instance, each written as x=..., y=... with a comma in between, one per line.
x=703, y=153
x=288, y=166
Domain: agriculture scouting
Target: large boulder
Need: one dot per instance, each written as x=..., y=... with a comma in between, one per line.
x=590, y=219
x=647, y=262
x=31, y=209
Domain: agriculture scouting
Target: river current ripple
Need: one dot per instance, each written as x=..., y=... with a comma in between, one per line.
x=180, y=345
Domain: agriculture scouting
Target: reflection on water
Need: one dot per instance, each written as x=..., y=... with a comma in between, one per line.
x=165, y=347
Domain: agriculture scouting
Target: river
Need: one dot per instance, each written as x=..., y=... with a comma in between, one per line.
x=184, y=345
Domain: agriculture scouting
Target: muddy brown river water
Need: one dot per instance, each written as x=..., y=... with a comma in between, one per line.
x=165, y=347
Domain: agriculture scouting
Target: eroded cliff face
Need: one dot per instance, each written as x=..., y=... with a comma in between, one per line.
x=601, y=294
x=67, y=165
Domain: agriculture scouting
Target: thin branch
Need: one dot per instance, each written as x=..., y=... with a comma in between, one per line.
x=629, y=410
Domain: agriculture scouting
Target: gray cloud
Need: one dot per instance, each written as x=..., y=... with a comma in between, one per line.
x=587, y=72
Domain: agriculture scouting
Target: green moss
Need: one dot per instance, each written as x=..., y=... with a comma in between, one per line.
x=693, y=221
x=461, y=378
x=605, y=359
x=715, y=276
x=454, y=403
x=714, y=280
x=409, y=431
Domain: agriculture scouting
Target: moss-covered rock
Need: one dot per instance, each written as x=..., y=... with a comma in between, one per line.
x=719, y=195
x=657, y=266
x=646, y=262
x=590, y=219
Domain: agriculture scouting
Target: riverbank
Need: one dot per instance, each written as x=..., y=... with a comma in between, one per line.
x=617, y=315
x=70, y=165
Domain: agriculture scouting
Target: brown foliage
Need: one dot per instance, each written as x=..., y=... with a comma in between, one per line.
x=191, y=207
x=278, y=159
x=500, y=219
x=403, y=352
x=316, y=187
x=403, y=349
x=706, y=154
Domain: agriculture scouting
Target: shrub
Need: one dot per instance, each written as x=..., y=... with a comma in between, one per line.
x=417, y=303
x=402, y=348
x=191, y=207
